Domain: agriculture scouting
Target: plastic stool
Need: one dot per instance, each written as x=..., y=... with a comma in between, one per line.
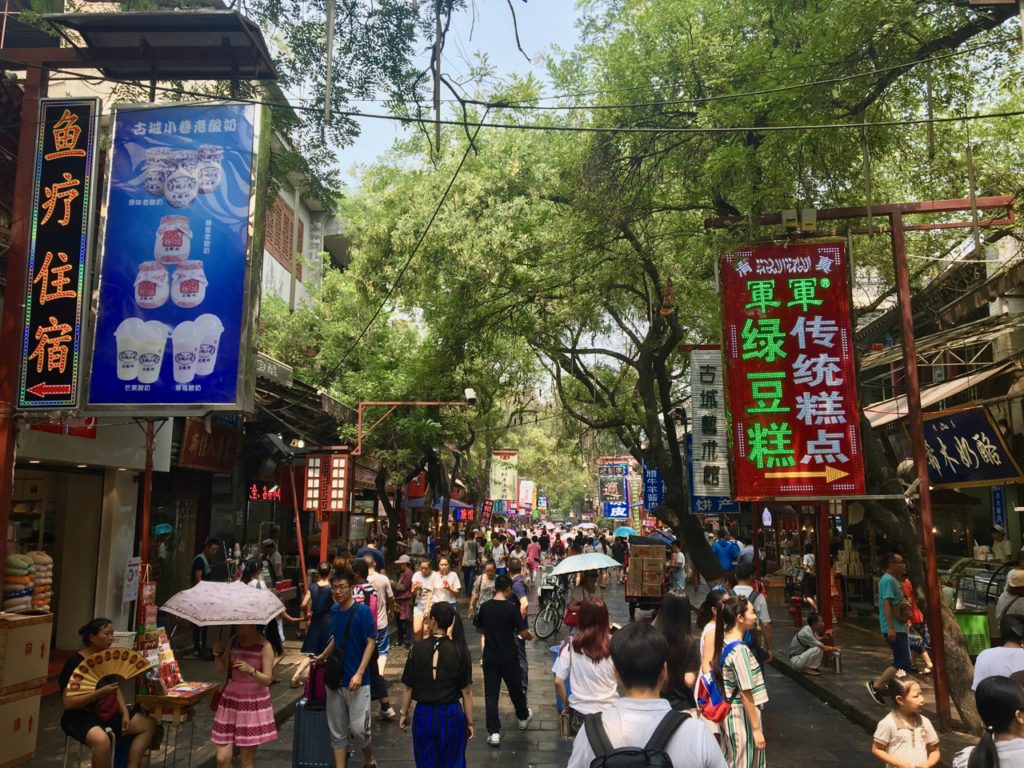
x=78, y=756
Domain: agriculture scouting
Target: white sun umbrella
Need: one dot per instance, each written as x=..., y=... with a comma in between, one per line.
x=591, y=561
x=586, y=525
x=222, y=604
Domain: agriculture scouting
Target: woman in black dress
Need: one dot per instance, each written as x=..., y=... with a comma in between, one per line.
x=86, y=715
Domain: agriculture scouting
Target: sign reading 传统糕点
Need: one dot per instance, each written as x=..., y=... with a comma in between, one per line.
x=792, y=375
x=965, y=448
x=58, y=254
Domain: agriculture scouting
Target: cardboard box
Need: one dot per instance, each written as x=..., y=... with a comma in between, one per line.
x=647, y=550
x=24, y=650
x=19, y=726
x=652, y=578
x=651, y=591
x=652, y=564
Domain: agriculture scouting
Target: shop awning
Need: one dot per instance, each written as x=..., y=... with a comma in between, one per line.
x=886, y=411
x=930, y=348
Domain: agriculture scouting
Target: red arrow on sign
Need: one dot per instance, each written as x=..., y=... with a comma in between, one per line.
x=43, y=389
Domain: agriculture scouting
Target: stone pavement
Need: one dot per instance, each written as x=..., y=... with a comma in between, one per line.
x=801, y=729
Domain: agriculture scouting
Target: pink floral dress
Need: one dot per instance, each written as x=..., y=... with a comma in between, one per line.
x=245, y=716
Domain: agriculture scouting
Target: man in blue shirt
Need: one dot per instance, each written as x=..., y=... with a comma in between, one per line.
x=894, y=630
x=372, y=550
x=353, y=628
x=726, y=549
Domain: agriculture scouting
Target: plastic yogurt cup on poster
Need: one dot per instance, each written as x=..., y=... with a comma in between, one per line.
x=129, y=336
x=185, y=345
x=210, y=328
x=151, y=351
x=209, y=168
x=182, y=185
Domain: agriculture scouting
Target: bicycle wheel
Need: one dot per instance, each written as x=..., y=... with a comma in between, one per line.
x=545, y=623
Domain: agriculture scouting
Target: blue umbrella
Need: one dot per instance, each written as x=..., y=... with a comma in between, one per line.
x=624, y=531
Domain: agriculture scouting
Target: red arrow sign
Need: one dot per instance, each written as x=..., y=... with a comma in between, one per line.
x=43, y=389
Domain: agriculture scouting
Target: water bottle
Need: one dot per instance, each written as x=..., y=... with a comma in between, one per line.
x=837, y=662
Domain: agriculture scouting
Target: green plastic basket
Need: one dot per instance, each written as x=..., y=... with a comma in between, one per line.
x=974, y=625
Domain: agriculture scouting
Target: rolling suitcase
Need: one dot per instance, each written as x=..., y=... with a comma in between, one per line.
x=311, y=745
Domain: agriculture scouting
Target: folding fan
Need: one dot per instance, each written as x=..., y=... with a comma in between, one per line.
x=105, y=667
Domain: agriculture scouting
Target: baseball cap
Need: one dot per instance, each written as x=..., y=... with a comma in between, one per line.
x=1015, y=579
x=403, y=559
x=999, y=528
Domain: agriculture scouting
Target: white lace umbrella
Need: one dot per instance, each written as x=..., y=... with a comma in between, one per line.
x=221, y=604
x=590, y=561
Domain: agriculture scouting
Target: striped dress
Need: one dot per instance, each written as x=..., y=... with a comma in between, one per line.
x=245, y=716
x=742, y=671
x=436, y=671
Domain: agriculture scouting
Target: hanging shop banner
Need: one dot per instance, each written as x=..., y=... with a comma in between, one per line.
x=504, y=475
x=654, y=488
x=174, y=301
x=707, y=504
x=998, y=505
x=526, y=490
x=613, y=480
x=59, y=250
x=710, y=456
x=965, y=448
x=792, y=381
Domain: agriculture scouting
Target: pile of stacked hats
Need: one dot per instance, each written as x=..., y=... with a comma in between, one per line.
x=42, y=588
x=19, y=583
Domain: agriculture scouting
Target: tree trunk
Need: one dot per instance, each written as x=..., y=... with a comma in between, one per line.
x=391, y=510
x=902, y=531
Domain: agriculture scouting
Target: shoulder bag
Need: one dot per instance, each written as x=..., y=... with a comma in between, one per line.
x=334, y=667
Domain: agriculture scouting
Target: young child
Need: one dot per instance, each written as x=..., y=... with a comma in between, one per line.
x=905, y=738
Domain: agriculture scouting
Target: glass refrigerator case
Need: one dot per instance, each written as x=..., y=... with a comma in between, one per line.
x=976, y=584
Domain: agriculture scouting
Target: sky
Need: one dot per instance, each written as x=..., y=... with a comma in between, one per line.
x=542, y=24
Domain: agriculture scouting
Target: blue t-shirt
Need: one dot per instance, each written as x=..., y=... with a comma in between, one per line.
x=726, y=552
x=889, y=588
x=364, y=626
x=519, y=588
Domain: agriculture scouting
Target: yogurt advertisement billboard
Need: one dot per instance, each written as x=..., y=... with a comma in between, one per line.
x=173, y=294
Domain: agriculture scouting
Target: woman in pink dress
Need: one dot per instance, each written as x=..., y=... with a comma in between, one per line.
x=533, y=558
x=245, y=714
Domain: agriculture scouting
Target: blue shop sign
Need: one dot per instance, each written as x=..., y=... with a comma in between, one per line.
x=965, y=448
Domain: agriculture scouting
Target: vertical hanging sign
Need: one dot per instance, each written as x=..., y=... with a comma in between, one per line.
x=175, y=312
x=710, y=452
x=792, y=374
x=58, y=254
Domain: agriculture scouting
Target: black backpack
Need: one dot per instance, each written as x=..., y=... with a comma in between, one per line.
x=652, y=755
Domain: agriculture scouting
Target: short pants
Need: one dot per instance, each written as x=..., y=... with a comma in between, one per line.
x=901, y=652
x=348, y=715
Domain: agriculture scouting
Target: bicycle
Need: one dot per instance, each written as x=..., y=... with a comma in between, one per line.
x=549, y=620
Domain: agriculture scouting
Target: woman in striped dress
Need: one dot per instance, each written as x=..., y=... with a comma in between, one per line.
x=438, y=674
x=742, y=684
x=245, y=714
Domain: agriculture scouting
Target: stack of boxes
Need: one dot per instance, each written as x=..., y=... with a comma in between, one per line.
x=646, y=577
x=24, y=657
x=848, y=563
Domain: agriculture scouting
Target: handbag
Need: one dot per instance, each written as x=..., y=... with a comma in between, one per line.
x=710, y=702
x=334, y=668
x=315, y=692
x=571, y=617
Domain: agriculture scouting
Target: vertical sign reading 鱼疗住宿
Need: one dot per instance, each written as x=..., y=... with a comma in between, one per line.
x=504, y=476
x=174, y=312
x=792, y=384
x=58, y=254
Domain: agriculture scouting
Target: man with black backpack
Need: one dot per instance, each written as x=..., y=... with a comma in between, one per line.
x=641, y=730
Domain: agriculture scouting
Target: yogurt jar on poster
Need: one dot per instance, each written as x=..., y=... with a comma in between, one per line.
x=151, y=351
x=185, y=347
x=210, y=330
x=154, y=174
x=188, y=286
x=129, y=337
x=209, y=168
x=173, y=242
x=182, y=185
x=152, y=285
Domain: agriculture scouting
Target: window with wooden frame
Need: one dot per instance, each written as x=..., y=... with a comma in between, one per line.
x=277, y=239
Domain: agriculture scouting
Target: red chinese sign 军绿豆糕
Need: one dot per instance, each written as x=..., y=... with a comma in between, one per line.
x=791, y=372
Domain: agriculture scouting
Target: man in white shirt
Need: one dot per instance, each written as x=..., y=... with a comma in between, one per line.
x=745, y=588
x=385, y=610
x=470, y=555
x=1002, y=551
x=499, y=554
x=638, y=655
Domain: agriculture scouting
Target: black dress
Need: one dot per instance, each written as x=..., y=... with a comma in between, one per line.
x=76, y=723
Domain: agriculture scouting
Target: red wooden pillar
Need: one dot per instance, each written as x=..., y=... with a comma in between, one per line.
x=823, y=561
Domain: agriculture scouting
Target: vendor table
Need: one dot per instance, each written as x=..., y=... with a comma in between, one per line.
x=177, y=706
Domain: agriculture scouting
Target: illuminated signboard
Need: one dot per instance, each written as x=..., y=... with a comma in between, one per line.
x=326, y=483
x=792, y=384
x=58, y=254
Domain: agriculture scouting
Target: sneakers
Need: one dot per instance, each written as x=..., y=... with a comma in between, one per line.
x=388, y=714
x=494, y=739
x=524, y=723
x=875, y=695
